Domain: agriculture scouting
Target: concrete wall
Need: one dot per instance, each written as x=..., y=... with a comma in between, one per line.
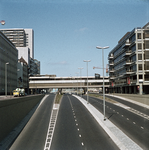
x=12, y=111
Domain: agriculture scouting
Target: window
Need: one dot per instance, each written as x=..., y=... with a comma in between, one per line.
x=139, y=35
x=133, y=58
x=139, y=56
x=146, y=55
x=146, y=34
x=140, y=77
x=140, y=67
x=147, y=65
x=139, y=45
x=146, y=44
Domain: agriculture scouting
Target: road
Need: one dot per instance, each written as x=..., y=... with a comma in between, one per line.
x=34, y=134
x=135, y=126
x=76, y=129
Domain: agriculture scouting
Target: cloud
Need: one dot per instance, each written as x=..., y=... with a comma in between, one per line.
x=81, y=30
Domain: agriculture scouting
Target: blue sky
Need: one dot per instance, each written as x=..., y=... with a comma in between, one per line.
x=66, y=32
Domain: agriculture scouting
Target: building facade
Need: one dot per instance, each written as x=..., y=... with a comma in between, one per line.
x=21, y=38
x=8, y=65
x=129, y=63
x=22, y=75
x=34, y=67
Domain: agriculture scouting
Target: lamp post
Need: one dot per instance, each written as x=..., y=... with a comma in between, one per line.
x=2, y=22
x=98, y=47
x=77, y=82
x=87, y=78
x=6, y=77
x=80, y=78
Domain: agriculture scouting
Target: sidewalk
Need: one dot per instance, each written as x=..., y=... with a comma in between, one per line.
x=6, y=97
x=118, y=137
x=142, y=100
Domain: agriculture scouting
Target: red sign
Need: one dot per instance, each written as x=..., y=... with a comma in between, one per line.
x=112, y=83
x=128, y=80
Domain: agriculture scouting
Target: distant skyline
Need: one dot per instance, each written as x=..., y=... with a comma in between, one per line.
x=66, y=32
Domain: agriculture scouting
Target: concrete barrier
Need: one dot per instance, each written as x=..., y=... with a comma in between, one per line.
x=12, y=111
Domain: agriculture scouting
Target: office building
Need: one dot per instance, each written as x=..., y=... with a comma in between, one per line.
x=129, y=63
x=21, y=38
x=34, y=67
x=22, y=75
x=8, y=65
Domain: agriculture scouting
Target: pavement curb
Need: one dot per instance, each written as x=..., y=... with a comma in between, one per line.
x=129, y=100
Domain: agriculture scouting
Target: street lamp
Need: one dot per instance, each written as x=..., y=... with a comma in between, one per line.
x=6, y=77
x=2, y=22
x=87, y=78
x=98, y=47
x=77, y=82
x=80, y=78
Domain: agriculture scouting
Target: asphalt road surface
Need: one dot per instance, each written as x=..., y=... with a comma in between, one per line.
x=76, y=129
x=135, y=126
x=34, y=134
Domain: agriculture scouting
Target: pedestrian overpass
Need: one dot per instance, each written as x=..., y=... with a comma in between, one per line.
x=53, y=82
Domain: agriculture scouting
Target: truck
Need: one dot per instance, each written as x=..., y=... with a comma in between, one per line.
x=18, y=92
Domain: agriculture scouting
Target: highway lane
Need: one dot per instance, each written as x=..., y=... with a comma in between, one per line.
x=136, y=127
x=76, y=129
x=34, y=134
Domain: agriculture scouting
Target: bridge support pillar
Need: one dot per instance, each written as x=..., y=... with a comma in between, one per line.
x=85, y=90
x=60, y=91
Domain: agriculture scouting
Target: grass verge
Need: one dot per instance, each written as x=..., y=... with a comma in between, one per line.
x=58, y=98
x=101, y=97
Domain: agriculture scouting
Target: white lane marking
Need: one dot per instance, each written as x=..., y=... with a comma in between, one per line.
x=51, y=127
x=78, y=129
x=79, y=135
x=127, y=118
x=134, y=123
x=82, y=144
x=142, y=128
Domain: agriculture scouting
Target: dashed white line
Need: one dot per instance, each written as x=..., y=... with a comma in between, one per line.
x=79, y=135
x=142, y=128
x=82, y=144
x=127, y=118
x=134, y=123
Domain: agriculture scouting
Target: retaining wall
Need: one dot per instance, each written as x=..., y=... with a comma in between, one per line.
x=12, y=111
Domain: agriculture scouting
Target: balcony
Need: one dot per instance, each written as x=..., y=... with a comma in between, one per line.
x=128, y=53
x=128, y=63
x=111, y=71
x=111, y=56
x=126, y=45
x=112, y=77
x=129, y=72
x=111, y=63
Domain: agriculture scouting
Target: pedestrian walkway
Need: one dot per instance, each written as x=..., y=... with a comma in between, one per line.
x=119, y=138
x=5, y=97
x=142, y=100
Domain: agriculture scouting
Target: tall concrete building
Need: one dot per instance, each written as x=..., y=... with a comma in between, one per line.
x=8, y=65
x=23, y=39
x=129, y=62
